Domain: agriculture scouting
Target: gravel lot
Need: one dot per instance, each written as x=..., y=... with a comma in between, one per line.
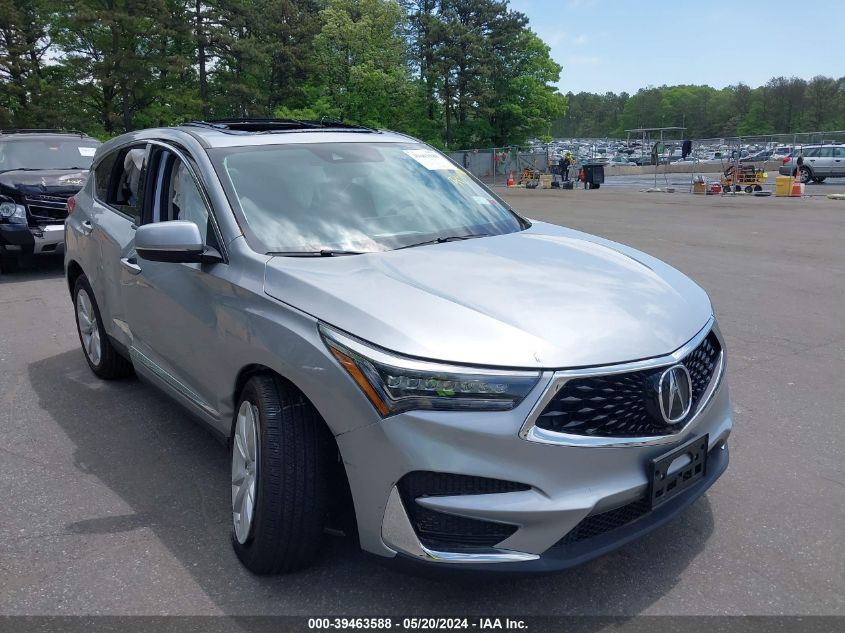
x=116, y=502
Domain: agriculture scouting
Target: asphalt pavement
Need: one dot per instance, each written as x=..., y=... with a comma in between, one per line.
x=116, y=502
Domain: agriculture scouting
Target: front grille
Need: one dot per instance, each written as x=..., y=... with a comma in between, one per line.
x=625, y=405
x=599, y=524
x=439, y=530
x=47, y=207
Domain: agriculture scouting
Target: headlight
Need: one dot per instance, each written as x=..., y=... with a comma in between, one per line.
x=14, y=213
x=395, y=383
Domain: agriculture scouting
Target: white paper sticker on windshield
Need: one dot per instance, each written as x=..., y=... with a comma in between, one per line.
x=87, y=151
x=430, y=159
x=482, y=200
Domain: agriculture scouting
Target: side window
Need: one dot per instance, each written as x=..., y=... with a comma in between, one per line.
x=840, y=152
x=120, y=180
x=826, y=152
x=177, y=196
x=185, y=200
x=811, y=153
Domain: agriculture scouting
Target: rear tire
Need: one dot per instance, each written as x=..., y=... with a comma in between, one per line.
x=805, y=174
x=291, y=469
x=103, y=359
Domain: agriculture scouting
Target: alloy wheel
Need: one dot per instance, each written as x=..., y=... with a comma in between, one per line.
x=86, y=318
x=244, y=470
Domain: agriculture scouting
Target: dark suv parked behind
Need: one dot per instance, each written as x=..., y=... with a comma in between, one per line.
x=39, y=171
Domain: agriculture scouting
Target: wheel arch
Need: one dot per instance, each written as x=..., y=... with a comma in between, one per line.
x=73, y=272
x=343, y=502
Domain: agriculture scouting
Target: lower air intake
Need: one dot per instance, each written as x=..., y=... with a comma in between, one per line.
x=438, y=530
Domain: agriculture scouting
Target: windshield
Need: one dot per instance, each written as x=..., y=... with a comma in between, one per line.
x=54, y=153
x=355, y=197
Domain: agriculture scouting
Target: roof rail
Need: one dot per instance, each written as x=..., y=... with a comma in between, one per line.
x=41, y=131
x=275, y=125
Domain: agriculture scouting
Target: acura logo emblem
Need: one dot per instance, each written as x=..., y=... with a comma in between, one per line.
x=675, y=394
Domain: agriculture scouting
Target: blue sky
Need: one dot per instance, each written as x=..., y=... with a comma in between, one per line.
x=616, y=45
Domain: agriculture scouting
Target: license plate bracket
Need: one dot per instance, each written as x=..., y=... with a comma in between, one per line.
x=664, y=486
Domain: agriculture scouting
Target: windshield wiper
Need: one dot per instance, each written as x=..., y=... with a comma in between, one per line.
x=323, y=252
x=43, y=168
x=443, y=240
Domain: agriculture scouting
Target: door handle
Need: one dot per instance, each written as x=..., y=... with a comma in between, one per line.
x=130, y=264
x=87, y=227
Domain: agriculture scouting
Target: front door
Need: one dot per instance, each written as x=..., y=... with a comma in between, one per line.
x=171, y=307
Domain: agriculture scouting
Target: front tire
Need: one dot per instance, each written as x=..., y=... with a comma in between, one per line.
x=281, y=467
x=102, y=357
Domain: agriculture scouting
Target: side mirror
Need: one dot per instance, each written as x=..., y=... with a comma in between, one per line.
x=176, y=241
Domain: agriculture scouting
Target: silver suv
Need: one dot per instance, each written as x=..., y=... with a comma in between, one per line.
x=389, y=349
x=819, y=162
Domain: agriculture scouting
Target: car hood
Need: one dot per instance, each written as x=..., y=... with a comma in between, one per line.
x=547, y=297
x=47, y=181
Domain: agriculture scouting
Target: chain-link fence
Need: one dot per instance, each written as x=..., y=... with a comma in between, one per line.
x=636, y=155
x=493, y=166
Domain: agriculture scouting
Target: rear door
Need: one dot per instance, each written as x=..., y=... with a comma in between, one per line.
x=811, y=157
x=119, y=181
x=838, y=169
x=824, y=162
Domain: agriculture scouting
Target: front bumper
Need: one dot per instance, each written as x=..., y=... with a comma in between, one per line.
x=564, y=484
x=21, y=239
x=564, y=556
x=49, y=239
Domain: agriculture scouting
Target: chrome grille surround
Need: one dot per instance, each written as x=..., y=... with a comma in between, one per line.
x=531, y=432
x=47, y=208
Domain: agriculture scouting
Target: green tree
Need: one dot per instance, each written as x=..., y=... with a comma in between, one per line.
x=364, y=58
x=23, y=43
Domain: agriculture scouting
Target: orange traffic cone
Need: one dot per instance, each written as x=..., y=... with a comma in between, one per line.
x=510, y=179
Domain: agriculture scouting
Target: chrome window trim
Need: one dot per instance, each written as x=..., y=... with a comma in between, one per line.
x=209, y=208
x=180, y=155
x=533, y=433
